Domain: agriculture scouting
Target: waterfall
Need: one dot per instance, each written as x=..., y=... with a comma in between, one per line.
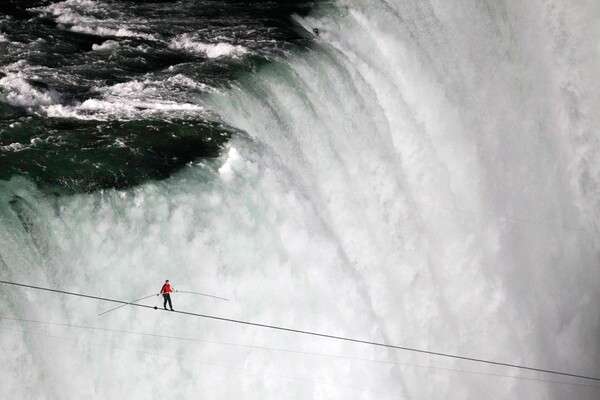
x=423, y=175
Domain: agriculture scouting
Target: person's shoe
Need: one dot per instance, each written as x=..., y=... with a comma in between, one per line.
x=172, y=309
x=165, y=308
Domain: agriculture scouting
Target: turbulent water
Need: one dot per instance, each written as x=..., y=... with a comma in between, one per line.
x=107, y=94
x=417, y=173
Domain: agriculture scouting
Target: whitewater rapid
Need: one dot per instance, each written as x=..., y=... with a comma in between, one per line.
x=425, y=176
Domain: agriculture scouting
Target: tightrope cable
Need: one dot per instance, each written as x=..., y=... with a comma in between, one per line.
x=316, y=334
x=297, y=352
x=128, y=303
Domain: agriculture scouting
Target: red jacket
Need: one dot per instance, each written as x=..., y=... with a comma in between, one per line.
x=166, y=288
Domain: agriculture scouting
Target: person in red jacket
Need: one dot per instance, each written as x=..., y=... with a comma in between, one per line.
x=165, y=290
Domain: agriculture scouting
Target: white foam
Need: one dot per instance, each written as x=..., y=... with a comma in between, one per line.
x=108, y=45
x=13, y=147
x=227, y=170
x=78, y=16
x=124, y=109
x=181, y=80
x=131, y=100
x=129, y=89
x=89, y=5
x=103, y=31
x=18, y=92
x=189, y=43
x=16, y=68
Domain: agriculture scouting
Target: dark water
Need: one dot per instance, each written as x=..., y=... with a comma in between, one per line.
x=100, y=94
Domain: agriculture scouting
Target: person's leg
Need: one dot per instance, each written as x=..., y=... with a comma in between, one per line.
x=170, y=304
x=166, y=297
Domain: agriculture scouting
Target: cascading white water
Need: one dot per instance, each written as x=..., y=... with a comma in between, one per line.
x=424, y=177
